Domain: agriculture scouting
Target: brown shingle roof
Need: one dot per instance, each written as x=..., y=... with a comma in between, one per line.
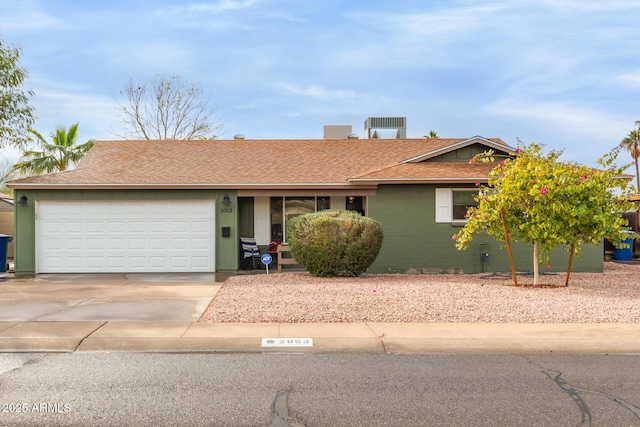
x=430, y=171
x=247, y=163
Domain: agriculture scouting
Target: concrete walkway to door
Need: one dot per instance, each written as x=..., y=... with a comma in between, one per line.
x=161, y=297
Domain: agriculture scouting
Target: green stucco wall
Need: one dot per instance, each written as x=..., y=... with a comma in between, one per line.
x=413, y=242
x=226, y=216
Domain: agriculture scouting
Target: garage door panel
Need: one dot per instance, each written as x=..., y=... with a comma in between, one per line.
x=53, y=227
x=74, y=261
x=179, y=262
x=200, y=211
x=118, y=227
x=74, y=244
x=94, y=227
x=138, y=210
x=157, y=226
x=111, y=209
x=136, y=226
x=95, y=262
x=199, y=262
x=159, y=262
x=116, y=262
x=52, y=244
x=126, y=236
x=201, y=244
x=54, y=262
x=158, y=243
x=116, y=244
x=95, y=243
x=137, y=244
x=200, y=226
x=178, y=227
x=96, y=209
x=71, y=226
x=179, y=244
x=138, y=262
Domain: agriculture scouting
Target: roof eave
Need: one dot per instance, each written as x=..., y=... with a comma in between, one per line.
x=243, y=186
x=458, y=180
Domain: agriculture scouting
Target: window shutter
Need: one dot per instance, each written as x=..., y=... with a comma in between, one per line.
x=444, y=208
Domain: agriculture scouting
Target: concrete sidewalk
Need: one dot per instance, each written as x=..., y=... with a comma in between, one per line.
x=403, y=338
x=159, y=313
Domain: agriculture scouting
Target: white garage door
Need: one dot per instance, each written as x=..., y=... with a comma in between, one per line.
x=125, y=236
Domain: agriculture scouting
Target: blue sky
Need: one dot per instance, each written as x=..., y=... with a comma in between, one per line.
x=564, y=73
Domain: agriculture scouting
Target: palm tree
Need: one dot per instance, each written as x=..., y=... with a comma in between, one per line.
x=432, y=134
x=55, y=156
x=632, y=143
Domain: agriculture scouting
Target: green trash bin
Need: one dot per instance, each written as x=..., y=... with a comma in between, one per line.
x=4, y=242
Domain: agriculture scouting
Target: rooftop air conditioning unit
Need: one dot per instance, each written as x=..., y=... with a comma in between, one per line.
x=399, y=123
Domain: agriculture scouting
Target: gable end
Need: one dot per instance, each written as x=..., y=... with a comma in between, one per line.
x=462, y=150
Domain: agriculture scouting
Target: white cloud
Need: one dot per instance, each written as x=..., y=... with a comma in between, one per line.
x=442, y=22
x=316, y=91
x=418, y=39
x=249, y=106
x=549, y=113
x=63, y=106
x=631, y=79
x=591, y=6
x=216, y=8
x=58, y=105
x=221, y=6
x=585, y=132
x=24, y=16
x=154, y=56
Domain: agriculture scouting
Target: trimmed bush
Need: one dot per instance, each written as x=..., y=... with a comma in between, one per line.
x=334, y=243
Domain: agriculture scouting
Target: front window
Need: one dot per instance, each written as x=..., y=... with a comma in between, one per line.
x=355, y=203
x=462, y=201
x=285, y=208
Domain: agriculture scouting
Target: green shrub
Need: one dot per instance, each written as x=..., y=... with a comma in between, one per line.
x=332, y=243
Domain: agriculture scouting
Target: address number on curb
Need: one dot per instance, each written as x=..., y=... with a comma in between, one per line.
x=287, y=342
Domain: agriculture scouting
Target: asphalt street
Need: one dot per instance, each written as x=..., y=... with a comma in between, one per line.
x=288, y=389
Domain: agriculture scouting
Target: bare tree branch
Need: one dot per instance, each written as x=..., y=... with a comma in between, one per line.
x=167, y=108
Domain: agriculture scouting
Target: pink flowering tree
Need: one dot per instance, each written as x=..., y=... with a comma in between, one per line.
x=534, y=198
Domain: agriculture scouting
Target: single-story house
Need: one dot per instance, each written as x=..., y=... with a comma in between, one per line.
x=6, y=219
x=181, y=206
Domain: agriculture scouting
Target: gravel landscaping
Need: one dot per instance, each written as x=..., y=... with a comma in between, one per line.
x=609, y=297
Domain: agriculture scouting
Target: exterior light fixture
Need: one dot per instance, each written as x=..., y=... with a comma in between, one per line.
x=22, y=200
x=226, y=200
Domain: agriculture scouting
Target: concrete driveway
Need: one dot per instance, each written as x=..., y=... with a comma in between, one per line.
x=108, y=297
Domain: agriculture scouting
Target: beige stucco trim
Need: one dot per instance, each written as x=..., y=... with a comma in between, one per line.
x=275, y=192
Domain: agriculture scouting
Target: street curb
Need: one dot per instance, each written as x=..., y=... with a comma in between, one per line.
x=369, y=337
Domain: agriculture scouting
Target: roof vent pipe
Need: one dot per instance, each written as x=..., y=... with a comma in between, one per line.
x=238, y=136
